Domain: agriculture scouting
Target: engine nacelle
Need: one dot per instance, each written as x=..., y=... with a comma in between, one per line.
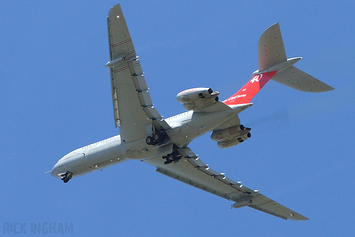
x=233, y=141
x=196, y=98
x=229, y=133
x=190, y=95
x=231, y=136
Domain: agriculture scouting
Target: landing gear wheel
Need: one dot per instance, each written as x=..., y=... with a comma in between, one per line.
x=172, y=157
x=149, y=140
x=67, y=176
x=157, y=137
x=168, y=161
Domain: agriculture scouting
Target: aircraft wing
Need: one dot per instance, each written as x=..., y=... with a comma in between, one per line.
x=133, y=108
x=191, y=170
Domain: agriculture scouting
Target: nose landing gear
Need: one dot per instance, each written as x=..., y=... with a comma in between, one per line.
x=66, y=176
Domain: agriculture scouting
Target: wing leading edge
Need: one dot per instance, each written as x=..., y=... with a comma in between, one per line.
x=191, y=170
x=133, y=108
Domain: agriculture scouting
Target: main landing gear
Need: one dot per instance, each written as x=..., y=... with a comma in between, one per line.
x=159, y=138
x=175, y=156
x=67, y=176
x=156, y=138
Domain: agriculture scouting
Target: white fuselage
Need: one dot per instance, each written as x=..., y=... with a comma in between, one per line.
x=185, y=127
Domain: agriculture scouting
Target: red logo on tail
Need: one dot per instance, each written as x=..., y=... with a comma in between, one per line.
x=249, y=90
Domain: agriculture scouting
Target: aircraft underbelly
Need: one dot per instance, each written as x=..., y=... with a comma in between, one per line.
x=98, y=156
x=199, y=124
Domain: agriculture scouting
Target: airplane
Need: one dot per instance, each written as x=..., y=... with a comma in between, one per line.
x=163, y=143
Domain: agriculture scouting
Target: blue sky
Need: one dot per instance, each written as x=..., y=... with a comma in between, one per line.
x=56, y=97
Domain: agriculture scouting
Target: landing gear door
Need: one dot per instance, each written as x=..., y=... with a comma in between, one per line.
x=164, y=150
x=187, y=152
x=149, y=129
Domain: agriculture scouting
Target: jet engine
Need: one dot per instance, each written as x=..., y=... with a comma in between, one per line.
x=197, y=98
x=231, y=136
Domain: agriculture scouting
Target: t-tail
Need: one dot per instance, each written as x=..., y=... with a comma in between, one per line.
x=273, y=64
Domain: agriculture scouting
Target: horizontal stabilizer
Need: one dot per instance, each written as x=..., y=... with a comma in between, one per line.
x=299, y=80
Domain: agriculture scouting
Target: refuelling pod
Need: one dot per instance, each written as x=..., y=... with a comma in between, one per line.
x=196, y=98
x=242, y=203
x=228, y=133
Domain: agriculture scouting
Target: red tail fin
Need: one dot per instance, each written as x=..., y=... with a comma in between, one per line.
x=249, y=90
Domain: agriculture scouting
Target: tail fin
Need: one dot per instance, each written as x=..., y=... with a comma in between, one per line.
x=273, y=64
x=272, y=57
x=271, y=50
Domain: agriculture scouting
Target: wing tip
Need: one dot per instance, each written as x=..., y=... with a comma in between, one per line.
x=297, y=217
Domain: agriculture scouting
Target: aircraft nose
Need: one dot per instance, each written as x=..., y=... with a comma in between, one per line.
x=58, y=168
x=54, y=171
